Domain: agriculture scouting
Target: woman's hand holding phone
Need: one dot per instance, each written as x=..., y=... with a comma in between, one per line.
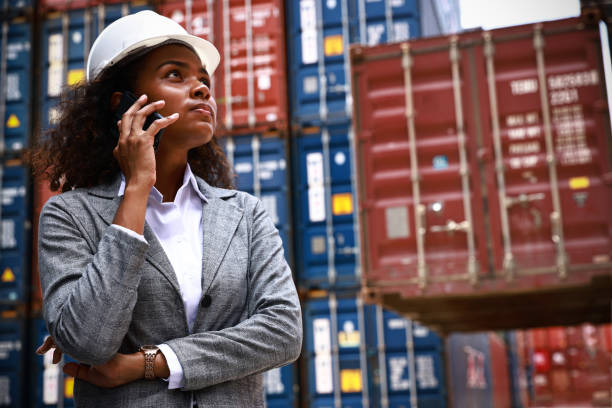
x=136, y=157
x=134, y=150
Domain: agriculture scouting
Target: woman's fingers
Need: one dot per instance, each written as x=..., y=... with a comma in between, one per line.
x=47, y=345
x=57, y=355
x=162, y=123
x=141, y=115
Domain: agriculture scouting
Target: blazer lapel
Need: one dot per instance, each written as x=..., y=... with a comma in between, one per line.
x=219, y=222
x=106, y=202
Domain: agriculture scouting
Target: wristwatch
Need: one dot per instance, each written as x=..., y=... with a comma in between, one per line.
x=149, y=360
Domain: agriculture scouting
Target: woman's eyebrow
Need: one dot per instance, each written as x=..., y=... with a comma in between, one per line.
x=180, y=64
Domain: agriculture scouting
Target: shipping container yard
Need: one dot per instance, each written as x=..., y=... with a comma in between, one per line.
x=444, y=196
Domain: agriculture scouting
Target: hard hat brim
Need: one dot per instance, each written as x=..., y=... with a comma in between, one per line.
x=205, y=50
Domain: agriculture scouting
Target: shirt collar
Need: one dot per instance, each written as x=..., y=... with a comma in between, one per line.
x=188, y=179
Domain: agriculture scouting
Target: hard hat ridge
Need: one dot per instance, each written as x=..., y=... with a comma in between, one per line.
x=139, y=31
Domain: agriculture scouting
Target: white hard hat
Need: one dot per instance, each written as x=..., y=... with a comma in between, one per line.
x=139, y=31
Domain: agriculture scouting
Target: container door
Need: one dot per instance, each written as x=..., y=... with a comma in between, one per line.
x=421, y=189
x=549, y=136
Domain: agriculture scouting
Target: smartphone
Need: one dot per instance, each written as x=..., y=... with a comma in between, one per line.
x=127, y=100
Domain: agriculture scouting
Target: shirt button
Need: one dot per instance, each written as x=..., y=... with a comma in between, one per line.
x=206, y=300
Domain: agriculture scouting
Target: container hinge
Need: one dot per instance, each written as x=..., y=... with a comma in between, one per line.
x=524, y=199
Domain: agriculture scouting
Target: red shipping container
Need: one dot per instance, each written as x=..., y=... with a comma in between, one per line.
x=63, y=5
x=557, y=338
x=538, y=338
x=250, y=83
x=484, y=170
x=605, y=335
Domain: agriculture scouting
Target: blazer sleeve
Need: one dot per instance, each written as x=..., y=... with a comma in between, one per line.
x=89, y=292
x=270, y=337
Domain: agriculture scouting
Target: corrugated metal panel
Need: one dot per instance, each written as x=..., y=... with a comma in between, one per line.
x=14, y=232
x=327, y=245
x=66, y=40
x=349, y=362
x=15, y=71
x=12, y=375
x=260, y=164
x=451, y=198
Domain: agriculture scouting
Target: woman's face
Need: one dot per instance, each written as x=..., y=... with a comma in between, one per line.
x=175, y=74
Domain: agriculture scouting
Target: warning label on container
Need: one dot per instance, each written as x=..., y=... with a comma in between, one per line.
x=75, y=76
x=13, y=121
x=333, y=45
x=350, y=380
x=7, y=276
x=323, y=373
x=342, y=204
x=348, y=337
x=69, y=387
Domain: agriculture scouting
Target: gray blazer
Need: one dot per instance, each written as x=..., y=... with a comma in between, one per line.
x=105, y=291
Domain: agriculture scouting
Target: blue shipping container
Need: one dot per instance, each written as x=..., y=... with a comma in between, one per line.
x=12, y=336
x=325, y=209
x=260, y=165
x=350, y=365
x=66, y=40
x=15, y=60
x=319, y=36
x=281, y=387
x=14, y=232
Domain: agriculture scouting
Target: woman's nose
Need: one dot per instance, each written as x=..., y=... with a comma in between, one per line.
x=200, y=90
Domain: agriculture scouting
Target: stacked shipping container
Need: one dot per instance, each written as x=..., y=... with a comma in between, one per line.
x=338, y=358
x=484, y=169
x=15, y=72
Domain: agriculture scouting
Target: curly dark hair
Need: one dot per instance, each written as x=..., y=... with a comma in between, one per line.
x=78, y=150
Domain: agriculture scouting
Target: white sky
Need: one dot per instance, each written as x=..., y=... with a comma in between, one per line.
x=490, y=14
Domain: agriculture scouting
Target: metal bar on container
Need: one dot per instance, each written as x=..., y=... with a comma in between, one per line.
x=250, y=74
x=382, y=361
x=3, y=82
x=255, y=146
x=227, y=73
x=188, y=15
x=329, y=216
x=230, y=149
x=414, y=400
x=389, y=20
x=321, y=62
x=210, y=19
x=65, y=46
x=348, y=95
x=508, y=263
x=125, y=9
x=414, y=168
x=607, y=63
x=86, y=35
x=363, y=38
x=101, y=17
x=472, y=268
x=333, y=315
x=556, y=217
x=354, y=187
x=363, y=361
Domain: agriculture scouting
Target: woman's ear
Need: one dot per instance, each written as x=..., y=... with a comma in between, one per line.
x=115, y=99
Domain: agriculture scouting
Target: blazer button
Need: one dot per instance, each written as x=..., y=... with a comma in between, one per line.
x=206, y=300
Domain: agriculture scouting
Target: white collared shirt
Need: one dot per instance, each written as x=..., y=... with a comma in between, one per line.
x=178, y=227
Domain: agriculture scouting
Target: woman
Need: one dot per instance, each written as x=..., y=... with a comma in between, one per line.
x=168, y=287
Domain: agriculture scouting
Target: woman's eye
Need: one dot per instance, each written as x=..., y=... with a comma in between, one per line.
x=205, y=81
x=173, y=74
